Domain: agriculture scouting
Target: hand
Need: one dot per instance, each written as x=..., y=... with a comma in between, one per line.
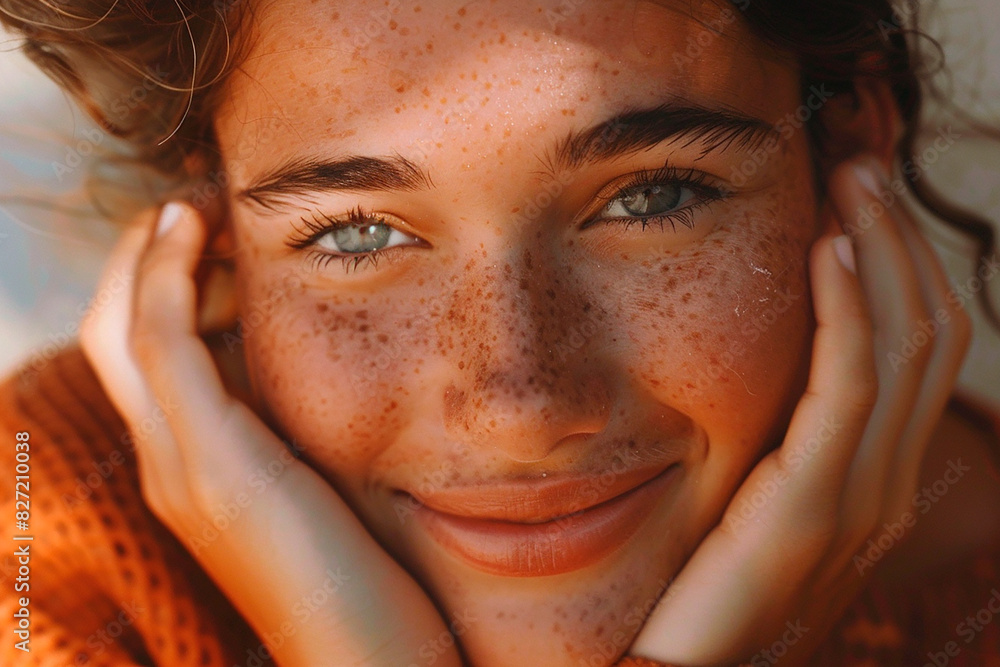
x=295, y=540
x=849, y=464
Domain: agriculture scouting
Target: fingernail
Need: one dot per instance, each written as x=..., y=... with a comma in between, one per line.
x=845, y=253
x=169, y=216
x=871, y=176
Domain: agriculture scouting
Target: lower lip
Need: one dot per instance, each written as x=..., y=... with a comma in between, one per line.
x=534, y=550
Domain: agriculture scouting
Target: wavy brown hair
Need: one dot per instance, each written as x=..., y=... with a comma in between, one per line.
x=152, y=73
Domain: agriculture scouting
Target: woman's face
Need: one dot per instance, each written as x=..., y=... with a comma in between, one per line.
x=587, y=313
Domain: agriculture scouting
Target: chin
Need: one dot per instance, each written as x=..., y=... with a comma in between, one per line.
x=560, y=613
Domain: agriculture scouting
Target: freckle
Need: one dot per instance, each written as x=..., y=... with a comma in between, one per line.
x=383, y=338
x=686, y=297
x=322, y=307
x=361, y=314
x=461, y=11
x=457, y=26
x=393, y=25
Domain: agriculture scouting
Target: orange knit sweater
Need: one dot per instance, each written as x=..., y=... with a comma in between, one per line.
x=110, y=585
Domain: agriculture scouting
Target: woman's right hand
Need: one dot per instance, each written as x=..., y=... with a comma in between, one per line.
x=293, y=559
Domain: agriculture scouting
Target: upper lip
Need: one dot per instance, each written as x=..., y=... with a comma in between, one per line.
x=535, y=500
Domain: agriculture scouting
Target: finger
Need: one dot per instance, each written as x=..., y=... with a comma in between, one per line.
x=104, y=329
x=947, y=332
x=208, y=426
x=828, y=423
x=891, y=286
x=104, y=338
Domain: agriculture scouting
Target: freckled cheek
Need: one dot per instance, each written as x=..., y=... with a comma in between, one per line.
x=336, y=376
x=725, y=339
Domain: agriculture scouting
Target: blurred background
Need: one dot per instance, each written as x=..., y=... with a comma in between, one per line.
x=52, y=246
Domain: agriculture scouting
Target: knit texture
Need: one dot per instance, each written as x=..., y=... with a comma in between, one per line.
x=111, y=586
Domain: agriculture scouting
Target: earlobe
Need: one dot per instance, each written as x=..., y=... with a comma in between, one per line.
x=217, y=302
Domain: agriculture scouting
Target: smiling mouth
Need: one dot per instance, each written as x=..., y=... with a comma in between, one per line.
x=542, y=532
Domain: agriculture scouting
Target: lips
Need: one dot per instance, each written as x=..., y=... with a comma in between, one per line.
x=542, y=527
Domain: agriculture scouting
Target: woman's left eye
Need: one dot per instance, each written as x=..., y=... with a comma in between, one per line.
x=648, y=200
x=665, y=196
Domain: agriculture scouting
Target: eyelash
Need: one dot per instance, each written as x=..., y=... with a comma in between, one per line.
x=696, y=181
x=319, y=224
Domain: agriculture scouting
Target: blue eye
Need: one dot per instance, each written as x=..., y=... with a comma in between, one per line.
x=666, y=195
x=359, y=237
x=648, y=200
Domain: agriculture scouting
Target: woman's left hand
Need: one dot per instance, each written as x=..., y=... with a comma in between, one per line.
x=771, y=583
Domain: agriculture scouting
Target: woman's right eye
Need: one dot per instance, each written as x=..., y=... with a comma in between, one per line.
x=360, y=239
x=357, y=237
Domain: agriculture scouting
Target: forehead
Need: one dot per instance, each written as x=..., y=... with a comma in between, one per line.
x=412, y=76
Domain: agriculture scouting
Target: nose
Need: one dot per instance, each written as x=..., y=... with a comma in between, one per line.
x=524, y=378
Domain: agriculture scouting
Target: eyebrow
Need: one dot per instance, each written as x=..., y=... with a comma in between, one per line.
x=304, y=176
x=625, y=134
x=640, y=129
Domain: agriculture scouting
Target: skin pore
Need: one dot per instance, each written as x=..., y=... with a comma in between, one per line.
x=516, y=333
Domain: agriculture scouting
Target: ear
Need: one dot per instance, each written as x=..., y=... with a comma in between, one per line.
x=864, y=120
x=217, y=298
x=218, y=306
